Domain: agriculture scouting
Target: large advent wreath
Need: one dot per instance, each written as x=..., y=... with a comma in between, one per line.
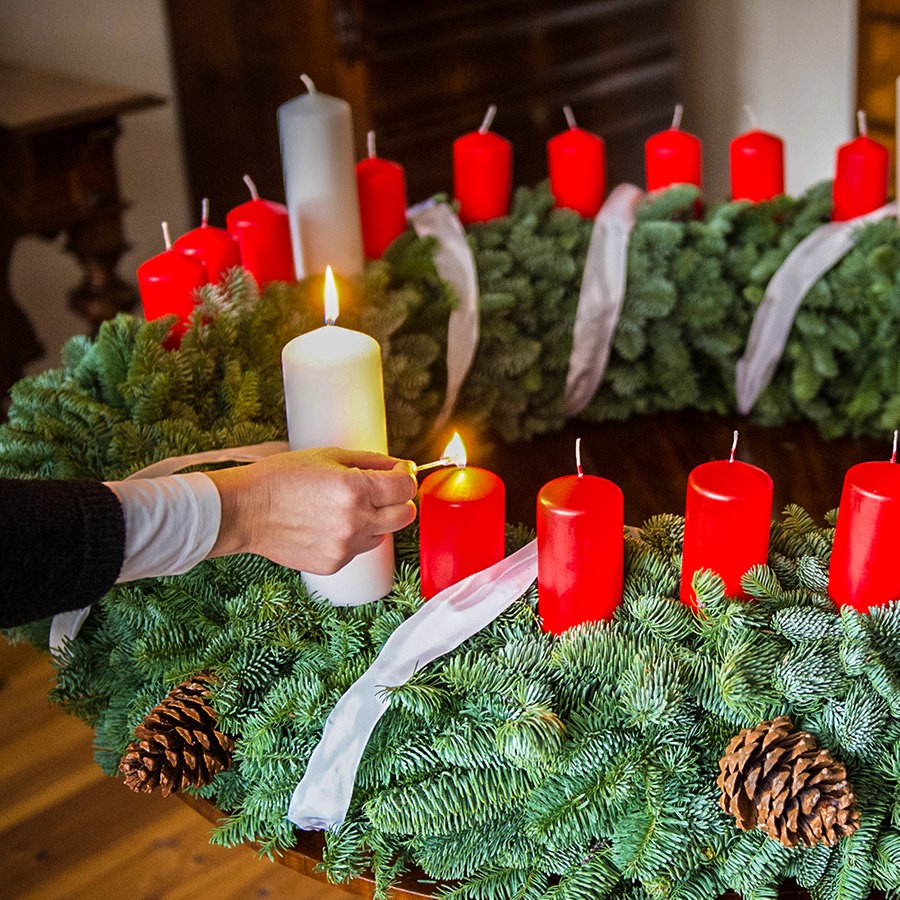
x=662, y=754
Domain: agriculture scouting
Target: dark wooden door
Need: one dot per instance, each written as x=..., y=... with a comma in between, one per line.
x=419, y=74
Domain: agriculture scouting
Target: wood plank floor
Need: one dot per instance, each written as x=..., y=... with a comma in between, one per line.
x=68, y=832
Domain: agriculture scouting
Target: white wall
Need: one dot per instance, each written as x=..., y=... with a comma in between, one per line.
x=123, y=42
x=791, y=60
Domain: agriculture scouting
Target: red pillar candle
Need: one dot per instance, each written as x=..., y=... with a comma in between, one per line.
x=482, y=173
x=757, y=165
x=216, y=248
x=727, y=519
x=576, y=164
x=580, y=544
x=381, y=185
x=863, y=571
x=861, y=176
x=263, y=231
x=672, y=156
x=462, y=521
x=168, y=283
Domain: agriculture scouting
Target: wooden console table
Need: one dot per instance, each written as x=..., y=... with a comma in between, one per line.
x=58, y=175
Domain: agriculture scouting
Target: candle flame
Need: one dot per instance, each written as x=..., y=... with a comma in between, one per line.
x=332, y=308
x=455, y=451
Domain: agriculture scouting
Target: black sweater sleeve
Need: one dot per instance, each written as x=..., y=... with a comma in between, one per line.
x=62, y=544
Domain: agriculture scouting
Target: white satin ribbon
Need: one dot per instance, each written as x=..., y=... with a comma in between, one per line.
x=322, y=797
x=65, y=626
x=804, y=266
x=600, y=301
x=456, y=265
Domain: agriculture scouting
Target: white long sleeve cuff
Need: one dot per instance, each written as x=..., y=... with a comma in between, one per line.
x=171, y=523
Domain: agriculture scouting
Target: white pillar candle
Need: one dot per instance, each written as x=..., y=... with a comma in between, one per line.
x=318, y=163
x=334, y=397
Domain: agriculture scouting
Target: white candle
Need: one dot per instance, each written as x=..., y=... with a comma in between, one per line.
x=334, y=397
x=318, y=163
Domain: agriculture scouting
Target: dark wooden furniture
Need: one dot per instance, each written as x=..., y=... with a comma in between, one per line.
x=418, y=74
x=58, y=174
x=650, y=459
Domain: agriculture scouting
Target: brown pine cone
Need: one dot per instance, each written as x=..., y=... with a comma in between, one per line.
x=177, y=744
x=777, y=779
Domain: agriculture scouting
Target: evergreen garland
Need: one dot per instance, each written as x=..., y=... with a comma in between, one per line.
x=521, y=765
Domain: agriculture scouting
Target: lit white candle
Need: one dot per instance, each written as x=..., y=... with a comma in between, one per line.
x=318, y=164
x=334, y=397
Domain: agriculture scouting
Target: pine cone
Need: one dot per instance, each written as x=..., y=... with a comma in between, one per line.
x=177, y=744
x=777, y=779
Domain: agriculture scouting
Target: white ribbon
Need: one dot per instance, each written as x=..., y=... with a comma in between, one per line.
x=803, y=267
x=600, y=301
x=456, y=265
x=65, y=626
x=322, y=797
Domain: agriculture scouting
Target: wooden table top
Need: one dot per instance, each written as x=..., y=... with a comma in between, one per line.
x=650, y=459
x=33, y=101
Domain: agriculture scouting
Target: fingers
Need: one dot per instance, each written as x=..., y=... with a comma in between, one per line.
x=390, y=487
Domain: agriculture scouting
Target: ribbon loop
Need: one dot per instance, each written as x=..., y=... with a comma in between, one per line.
x=600, y=301
x=456, y=265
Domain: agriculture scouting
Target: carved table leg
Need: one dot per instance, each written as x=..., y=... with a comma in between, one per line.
x=98, y=243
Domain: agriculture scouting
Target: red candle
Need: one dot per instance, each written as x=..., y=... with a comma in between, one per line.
x=757, y=165
x=727, y=519
x=381, y=185
x=462, y=520
x=863, y=570
x=580, y=543
x=482, y=173
x=672, y=156
x=216, y=248
x=263, y=231
x=576, y=163
x=168, y=283
x=861, y=176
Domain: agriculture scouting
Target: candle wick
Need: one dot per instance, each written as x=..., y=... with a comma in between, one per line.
x=861, y=122
x=676, y=117
x=754, y=124
x=310, y=85
x=733, y=446
x=370, y=144
x=578, y=468
x=894, y=453
x=166, y=236
x=204, y=211
x=249, y=182
x=485, y=126
x=570, y=116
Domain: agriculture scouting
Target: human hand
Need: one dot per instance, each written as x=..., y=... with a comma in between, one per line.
x=315, y=509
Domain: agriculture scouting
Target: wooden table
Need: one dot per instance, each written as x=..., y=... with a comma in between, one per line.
x=58, y=175
x=649, y=458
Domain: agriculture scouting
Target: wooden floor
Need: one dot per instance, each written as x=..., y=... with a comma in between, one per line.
x=68, y=832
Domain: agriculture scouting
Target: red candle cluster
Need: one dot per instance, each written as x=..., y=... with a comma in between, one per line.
x=216, y=248
x=576, y=164
x=863, y=570
x=168, y=284
x=263, y=232
x=861, y=176
x=482, y=173
x=580, y=538
x=381, y=185
x=672, y=157
x=462, y=524
x=757, y=166
x=727, y=518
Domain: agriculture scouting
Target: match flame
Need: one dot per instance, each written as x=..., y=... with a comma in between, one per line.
x=332, y=307
x=455, y=451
